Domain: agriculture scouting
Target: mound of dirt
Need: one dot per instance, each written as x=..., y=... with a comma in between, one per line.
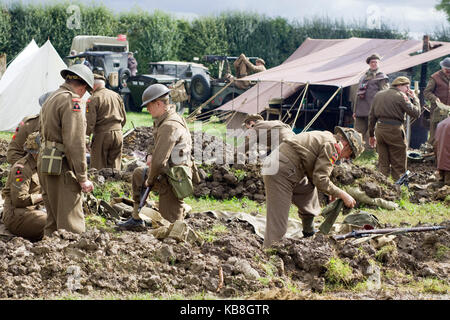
x=231, y=264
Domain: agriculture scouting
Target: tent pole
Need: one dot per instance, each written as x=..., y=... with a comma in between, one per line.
x=321, y=110
x=287, y=113
x=257, y=97
x=301, y=104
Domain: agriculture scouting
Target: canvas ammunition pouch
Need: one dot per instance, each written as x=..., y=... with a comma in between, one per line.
x=180, y=178
x=52, y=158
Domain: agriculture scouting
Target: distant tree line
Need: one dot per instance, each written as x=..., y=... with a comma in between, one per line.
x=157, y=35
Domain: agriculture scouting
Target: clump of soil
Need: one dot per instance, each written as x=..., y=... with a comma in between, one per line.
x=232, y=264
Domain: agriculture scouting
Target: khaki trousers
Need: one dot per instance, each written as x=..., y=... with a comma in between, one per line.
x=288, y=185
x=25, y=222
x=106, y=150
x=63, y=201
x=391, y=148
x=361, y=125
x=170, y=207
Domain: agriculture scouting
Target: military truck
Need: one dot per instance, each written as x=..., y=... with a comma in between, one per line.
x=198, y=84
x=105, y=55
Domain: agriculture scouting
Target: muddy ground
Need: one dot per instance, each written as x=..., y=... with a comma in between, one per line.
x=230, y=262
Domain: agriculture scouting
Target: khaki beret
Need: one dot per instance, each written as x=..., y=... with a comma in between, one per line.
x=252, y=117
x=99, y=77
x=373, y=57
x=400, y=81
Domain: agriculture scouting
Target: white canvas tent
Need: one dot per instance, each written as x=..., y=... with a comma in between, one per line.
x=32, y=73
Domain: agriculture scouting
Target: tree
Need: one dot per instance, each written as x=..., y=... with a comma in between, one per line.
x=444, y=5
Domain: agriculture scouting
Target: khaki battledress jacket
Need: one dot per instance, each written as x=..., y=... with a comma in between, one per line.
x=437, y=87
x=305, y=164
x=172, y=146
x=23, y=216
x=263, y=131
x=388, y=114
x=63, y=122
x=106, y=116
x=26, y=127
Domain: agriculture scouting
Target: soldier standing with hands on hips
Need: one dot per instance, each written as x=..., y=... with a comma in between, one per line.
x=62, y=163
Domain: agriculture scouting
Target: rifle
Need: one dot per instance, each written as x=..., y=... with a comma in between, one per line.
x=404, y=178
x=214, y=58
x=365, y=233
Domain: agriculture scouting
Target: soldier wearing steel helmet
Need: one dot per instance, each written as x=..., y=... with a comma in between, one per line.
x=303, y=164
x=63, y=127
x=172, y=147
x=27, y=126
x=24, y=213
x=386, y=125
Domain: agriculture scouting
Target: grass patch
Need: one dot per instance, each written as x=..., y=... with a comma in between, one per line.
x=6, y=135
x=213, y=234
x=431, y=285
x=441, y=252
x=367, y=159
x=100, y=223
x=111, y=189
x=338, y=274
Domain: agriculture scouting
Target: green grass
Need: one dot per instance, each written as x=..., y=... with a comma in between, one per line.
x=368, y=159
x=338, y=273
x=5, y=135
x=213, y=234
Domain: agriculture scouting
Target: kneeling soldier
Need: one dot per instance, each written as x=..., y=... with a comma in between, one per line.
x=22, y=214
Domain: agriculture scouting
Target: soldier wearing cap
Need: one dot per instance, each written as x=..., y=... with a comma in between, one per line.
x=27, y=126
x=62, y=159
x=243, y=67
x=388, y=114
x=305, y=163
x=106, y=116
x=370, y=83
x=438, y=90
x=264, y=131
x=23, y=213
x=172, y=147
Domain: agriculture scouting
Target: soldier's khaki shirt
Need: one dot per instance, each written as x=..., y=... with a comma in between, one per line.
x=22, y=187
x=392, y=104
x=283, y=130
x=316, y=153
x=63, y=121
x=26, y=127
x=172, y=146
x=105, y=111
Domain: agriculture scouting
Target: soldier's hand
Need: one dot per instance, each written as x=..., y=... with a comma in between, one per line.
x=372, y=142
x=87, y=186
x=348, y=199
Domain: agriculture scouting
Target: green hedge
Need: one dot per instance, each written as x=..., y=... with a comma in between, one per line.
x=160, y=36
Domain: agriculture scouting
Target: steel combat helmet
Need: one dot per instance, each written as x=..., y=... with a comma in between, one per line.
x=79, y=72
x=354, y=139
x=154, y=92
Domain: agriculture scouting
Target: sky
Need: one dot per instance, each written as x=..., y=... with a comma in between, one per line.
x=416, y=16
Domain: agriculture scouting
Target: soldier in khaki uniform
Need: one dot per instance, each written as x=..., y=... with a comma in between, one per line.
x=388, y=114
x=305, y=163
x=273, y=128
x=173, y=146
x=63, y=128
x=27, y=126
x=438, y=89
x=370, y=83
x=105, y=115
x=23, y=215
x=243, y=67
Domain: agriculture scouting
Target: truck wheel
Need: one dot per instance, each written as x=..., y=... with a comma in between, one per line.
x=124, y=74
x=200, y=88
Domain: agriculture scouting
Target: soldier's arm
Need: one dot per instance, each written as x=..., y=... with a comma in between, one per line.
x=383, y=84
x=322, y=171
x=91, y=114
x=411, y=108
x=167, y=138
x=372, y=119
x=20, y=187
x=73, y=125
x=428, y=93
x=123, y=112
